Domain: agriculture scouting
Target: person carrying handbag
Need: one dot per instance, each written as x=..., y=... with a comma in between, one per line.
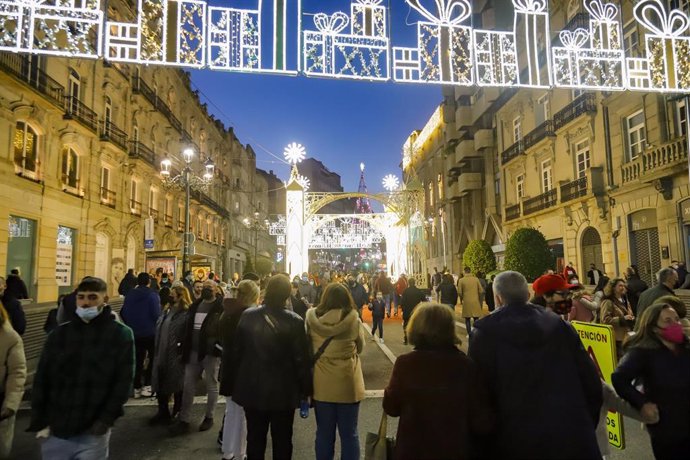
x=335, y=330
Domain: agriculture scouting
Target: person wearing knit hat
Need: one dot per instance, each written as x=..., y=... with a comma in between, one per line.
x=555, y=292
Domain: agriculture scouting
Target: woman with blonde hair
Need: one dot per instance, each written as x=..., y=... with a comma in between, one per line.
x=437, y=392
x=337, y=339
x=234, y=431
x=12, y=378
x=168, y=371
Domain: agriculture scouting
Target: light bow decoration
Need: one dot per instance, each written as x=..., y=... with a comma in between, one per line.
x=270, y=38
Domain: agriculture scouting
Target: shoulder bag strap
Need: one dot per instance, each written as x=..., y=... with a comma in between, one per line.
x=321, y=349
x=269, y=320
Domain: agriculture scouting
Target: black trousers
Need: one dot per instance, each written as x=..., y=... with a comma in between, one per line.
x=143, y=346
x=164, y=404
x=258, y=423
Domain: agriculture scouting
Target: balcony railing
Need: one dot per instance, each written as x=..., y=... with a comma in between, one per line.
x=539, y=202
x=108, y=197
x=208, y=201
x=25, y=70
x=574, y=189
x=534, y=136
x=77, y=110
x=139, y=150
x=168, y=220
x=579, y=21
x=512, y=212
x=110, y=132
x=672, y=153
x=585, y=103
x=135, y=207
x=71, y=186
x=154, y=213
x=139, y=86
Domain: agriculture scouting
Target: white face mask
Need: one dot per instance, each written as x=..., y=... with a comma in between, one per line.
x=87, y=314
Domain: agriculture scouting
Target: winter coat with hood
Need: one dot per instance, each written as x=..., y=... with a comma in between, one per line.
x=338, y=374
x=227, y=326
x=535, y=367
x=359, y=294
x=12, y=367
x=141, y=310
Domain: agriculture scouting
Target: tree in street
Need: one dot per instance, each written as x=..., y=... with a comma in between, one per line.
x=479, y=257
x=527, y=252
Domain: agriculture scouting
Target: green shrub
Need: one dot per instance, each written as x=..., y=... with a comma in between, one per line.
x=479, y=257
x=527, y=252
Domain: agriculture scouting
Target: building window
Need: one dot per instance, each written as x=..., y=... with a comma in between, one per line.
x=517, y=129
x=631, y=39
x=153, y=200
x=681, y=118
x=439, y=181
x=582, y=158
x=636, y=134
x=108, y=115
x=74, y=90
x=70, y=168
x=520, y=186
x=546, y=176
x=25, y=148
x=430, y=187
x=543, y=112
x=134, y=194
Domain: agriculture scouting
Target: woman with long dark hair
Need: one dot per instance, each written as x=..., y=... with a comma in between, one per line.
x=658, y=357
x=336, y=336
x=615, y=311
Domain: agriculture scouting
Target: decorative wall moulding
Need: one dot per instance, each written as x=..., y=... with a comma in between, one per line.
x=276, y=36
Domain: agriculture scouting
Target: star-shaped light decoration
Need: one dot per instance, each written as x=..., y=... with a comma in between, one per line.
x=294, y=153
x=391, y=182
x=304, y=182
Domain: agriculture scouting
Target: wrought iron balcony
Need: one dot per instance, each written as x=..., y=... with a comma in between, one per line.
x=25, y=70
x=139, y=150
x=532, y=138
x=168, y=219
x=586, y=103
x=512, y=212
x=574, y=189
x=111, y=133
x=655, y=162
x=540, y=202
x=139, y=86
x=135, y=207
x=71, y=186
x=108, y=197
x=208, y=201
x=77, y=110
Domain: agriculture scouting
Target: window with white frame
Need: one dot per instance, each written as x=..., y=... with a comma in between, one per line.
x=168, y=211
x=542, y=112
x=74, y=91
x=681, y=118
x=69, y=168
x=520, y=186
x=133, y=194
x=25, y=148
x=153, y=200
x=631, y=39
x=582, y=158
x=107, y=115
x=636, y=134
x=105, y=184
x=517, y=129
x=546, y=176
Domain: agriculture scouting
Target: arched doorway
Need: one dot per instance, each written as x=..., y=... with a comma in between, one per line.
x=591, y=250
x=102, y=256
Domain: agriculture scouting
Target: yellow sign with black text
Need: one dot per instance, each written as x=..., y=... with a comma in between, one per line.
x=600, y=344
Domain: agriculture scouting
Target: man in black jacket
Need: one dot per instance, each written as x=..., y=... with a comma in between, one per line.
x=16, y=285
x=13, y=307
x=412, y=296
x=359, y=295
x=128, y=283
x=536, y=367
x=201, y=352
x=273, y=370
x=668, y=278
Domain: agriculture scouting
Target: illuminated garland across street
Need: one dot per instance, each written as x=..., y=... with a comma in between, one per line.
x=449, y=51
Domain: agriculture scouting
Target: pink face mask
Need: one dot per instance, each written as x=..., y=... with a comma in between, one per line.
x=673, y=333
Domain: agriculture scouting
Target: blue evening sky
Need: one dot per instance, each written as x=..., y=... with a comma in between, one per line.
x=340, y=123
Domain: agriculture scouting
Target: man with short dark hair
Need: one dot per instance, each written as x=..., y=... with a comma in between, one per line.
x=593, y=275
x=13, y=307
x=16, y=286
x=535, y=366
x=411, y=297
x=83, y=379
x=129, y=282
x=668, y=277
x=359, y=295
x=140, y=311
x=272, y=365
x=195, y=293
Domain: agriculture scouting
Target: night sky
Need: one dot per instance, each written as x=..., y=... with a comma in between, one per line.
x=341, y=123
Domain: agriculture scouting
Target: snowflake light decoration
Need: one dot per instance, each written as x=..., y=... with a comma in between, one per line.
x=390, y=182
x=304, y=182
x=294, y=153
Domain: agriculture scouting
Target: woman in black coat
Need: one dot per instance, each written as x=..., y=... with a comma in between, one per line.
x=447, y=291
x=658, y=356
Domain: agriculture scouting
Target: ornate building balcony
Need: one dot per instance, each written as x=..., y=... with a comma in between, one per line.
x=77, y=110
x=111, y=133
x=540, y=202
x=512, y=212
x=135, y=207
x=24, y=69
x=140, y=151
x=658, y=162
x=532, y=138
x=584, y=104
x=108, y=197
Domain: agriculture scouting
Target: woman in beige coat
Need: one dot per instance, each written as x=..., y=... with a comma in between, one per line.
x=337, y=340
x=470, y=291
x=12, y=378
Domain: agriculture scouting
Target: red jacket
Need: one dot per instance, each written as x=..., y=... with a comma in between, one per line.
x=442, y=403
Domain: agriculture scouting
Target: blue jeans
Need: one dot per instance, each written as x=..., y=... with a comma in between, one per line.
x=344, y=416
x=387, y=301
x=82, y=447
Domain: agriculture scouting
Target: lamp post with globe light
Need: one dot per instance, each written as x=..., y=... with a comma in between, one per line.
x=186, y=180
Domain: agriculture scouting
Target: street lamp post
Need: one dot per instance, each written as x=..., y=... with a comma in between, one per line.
x=187, y=180
x=255, y=225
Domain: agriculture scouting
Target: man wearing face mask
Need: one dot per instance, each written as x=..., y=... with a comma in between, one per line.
x=83, y=379
x=201, y=353
x=359, y=295
x=306, y=290
x=557, y=294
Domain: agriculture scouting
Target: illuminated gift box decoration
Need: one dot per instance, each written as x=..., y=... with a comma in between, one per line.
x=368, y=18
x=668, y=50
x=329, y=52
x=531, y=27
x=495, y=58
x=604, y=25
x=52, y=27
x=234, y=39
x=566, y=58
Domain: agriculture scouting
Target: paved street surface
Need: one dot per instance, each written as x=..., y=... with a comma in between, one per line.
x=133, y=439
